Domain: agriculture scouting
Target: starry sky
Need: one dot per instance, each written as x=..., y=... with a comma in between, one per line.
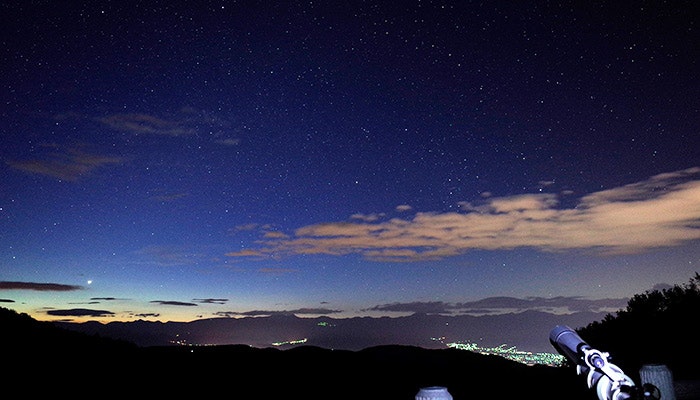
x=172, y=161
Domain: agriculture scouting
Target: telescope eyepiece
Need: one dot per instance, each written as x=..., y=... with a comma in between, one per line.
x=597, y=360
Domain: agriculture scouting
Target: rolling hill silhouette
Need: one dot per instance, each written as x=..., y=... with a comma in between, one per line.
x=43, y=359
x=528, y=331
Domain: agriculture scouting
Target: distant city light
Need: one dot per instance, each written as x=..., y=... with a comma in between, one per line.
x=503, y=350
x=300, y=341
x=511, y=353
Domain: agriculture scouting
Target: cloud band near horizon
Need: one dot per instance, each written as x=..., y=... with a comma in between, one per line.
x=662, y=211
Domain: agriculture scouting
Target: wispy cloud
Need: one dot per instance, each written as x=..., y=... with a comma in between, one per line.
x=147, y=315
x=229, y=142
x=80, y=312
x=168, y=256
x=146, y=124
x=662, y=211
x=168, y=197
x=173, y=303
x=41, y=287
x=500, y=305
x=277, y=271
x=64, y=163
x=265, y=313
x=211, y=301
x=185, y=123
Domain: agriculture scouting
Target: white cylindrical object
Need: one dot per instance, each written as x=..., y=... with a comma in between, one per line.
x=660, y=376
x=433, y=393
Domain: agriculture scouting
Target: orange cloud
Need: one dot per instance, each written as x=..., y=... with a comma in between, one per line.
x=65, y=164
x=662, y=211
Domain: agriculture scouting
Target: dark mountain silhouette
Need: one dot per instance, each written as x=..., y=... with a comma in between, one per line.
x=43, y=359
x=25, y=334
x=342, y=359
x=528, y=331
x=40, y=359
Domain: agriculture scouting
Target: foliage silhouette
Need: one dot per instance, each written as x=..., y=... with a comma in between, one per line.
x=656, y=327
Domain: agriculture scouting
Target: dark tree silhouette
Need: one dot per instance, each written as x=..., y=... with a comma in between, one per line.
x=656, y=327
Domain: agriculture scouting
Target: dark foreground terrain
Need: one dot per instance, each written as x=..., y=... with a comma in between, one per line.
x=40, y=359
x=242, y=372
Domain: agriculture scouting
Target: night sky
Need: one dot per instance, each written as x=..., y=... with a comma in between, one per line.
x=178, y=160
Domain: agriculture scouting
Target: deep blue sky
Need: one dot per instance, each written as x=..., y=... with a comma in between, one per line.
x=177, y=160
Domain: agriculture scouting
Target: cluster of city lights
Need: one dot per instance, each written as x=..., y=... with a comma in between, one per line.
x=508, y=352
x=299, y=341
x=511, y=353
